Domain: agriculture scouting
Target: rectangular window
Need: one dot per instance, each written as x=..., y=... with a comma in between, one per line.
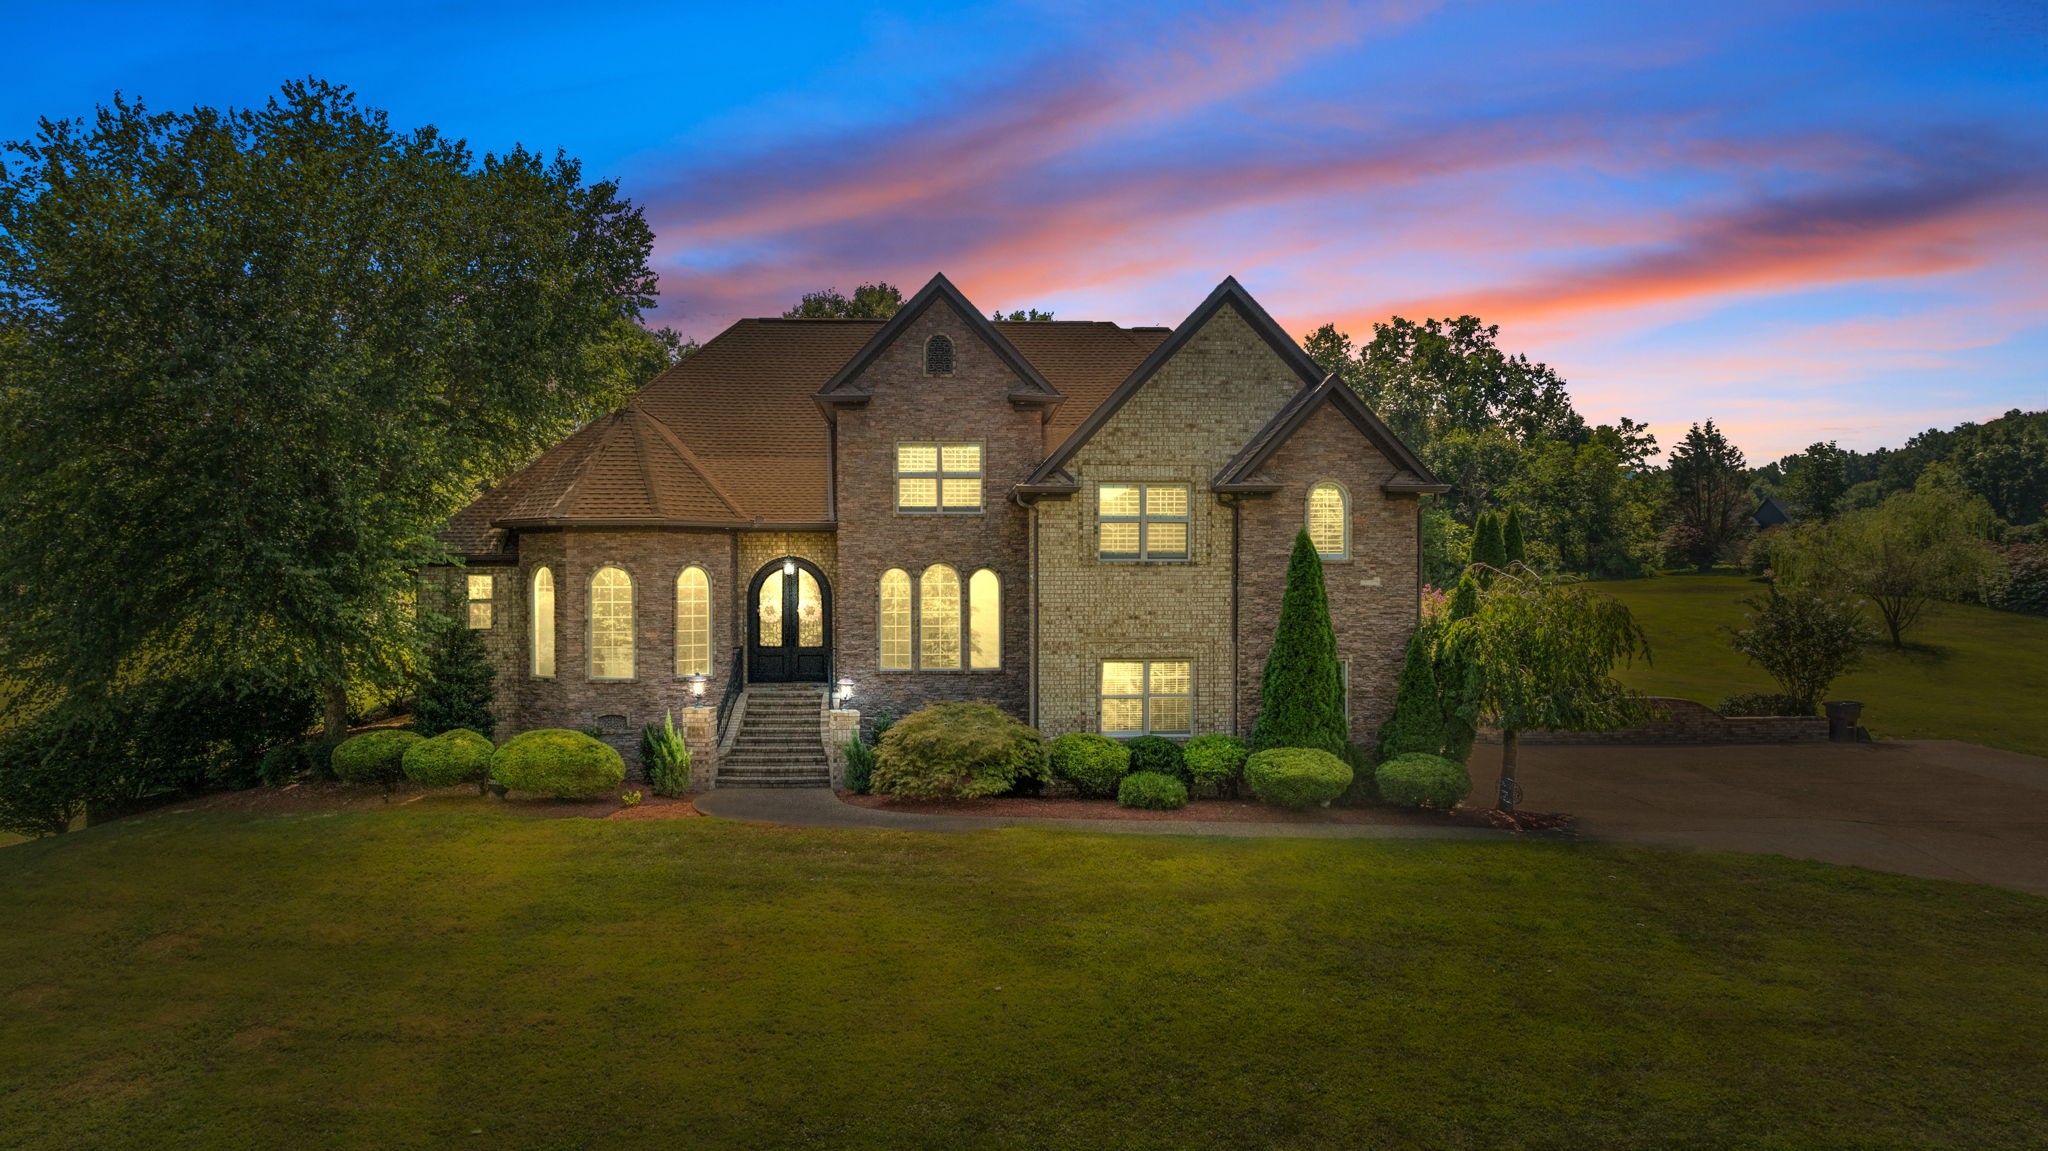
x=938, y=478
x=1148, y=697
x=1141, y=521
x=480, y=594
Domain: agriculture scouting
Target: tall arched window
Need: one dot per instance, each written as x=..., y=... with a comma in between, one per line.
x=543, y=606
x=693, y=622
x=984, y=621
x=938, y=618
x=895, y=608
x=1329, y=521
x=611, y=624
x=938, y=356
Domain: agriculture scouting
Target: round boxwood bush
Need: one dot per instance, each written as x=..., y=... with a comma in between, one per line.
x=1214, y=761
x=1419, y=779
x=957, y=751
x=374, y=756
x=1156, y=753
x=1297, y=776
x=557, y=762
x=1094, y=764
x=1152, y=790
x=458, y=755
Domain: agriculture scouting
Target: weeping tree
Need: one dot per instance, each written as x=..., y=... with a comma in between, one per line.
x=250, y=360
x=1301, y=694
x=1541, y=658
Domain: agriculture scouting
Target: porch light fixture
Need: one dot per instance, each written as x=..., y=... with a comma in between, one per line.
x=789, y=567
x=845, y=691
x=697, y=683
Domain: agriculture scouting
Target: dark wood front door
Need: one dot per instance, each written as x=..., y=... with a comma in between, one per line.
x=789, y=629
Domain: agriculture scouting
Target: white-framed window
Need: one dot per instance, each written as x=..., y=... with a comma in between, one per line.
x=1329, y=520
x=984, y=621
x=1141, y=521
x=1147, y=697
x=895, y=619
x=611, y=624
x=543, y=606
x=938, y=478
x=482, y=593
x=693, y=622
x=938, y=356
x=938, y=619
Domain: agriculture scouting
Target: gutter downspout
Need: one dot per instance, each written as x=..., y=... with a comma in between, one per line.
x=1031, y=577
x=1236, y=592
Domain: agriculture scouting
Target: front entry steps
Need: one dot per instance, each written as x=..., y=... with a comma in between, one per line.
x=781, y=739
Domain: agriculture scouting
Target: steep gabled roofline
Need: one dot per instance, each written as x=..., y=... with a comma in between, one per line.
x=839, y=390
x=1228, y=292
x=1414, y=475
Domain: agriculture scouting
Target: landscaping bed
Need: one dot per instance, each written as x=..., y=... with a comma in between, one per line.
x=323, y=797
x=1209, y=811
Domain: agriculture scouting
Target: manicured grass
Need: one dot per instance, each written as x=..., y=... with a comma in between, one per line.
x=1970, y=673
x=425, y=978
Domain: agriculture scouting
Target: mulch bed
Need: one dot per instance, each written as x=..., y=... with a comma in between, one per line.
x=319, y=797
x=1211, y=811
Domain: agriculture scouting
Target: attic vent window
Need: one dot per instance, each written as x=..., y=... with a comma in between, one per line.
x=938, y=356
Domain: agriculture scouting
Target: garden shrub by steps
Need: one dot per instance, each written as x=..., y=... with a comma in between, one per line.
x=957, y=751
x=665, y=758
x=557, y=762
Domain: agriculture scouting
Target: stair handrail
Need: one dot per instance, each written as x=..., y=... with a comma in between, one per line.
x=733, y=688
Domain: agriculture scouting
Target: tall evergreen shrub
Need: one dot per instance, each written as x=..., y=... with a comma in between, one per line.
x=1488, y=548
x=1512, y=544
x=1300, y=696
x=1418, y=720
x=458, y=684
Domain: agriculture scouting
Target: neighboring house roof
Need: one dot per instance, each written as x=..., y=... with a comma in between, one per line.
x=1771, y=513
x=1241, y=474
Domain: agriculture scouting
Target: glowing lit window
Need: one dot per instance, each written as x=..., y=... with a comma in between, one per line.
x=938, y=618
x=1148, y=697
x=810, y=611
x=1141, y=521
x=693, y=622
x=611, y=624
x=1329, y=522
x=481, y=590
x=938, y=356
x=895, y=620
x=938, y=478
x=984, y=621
x=543, y=622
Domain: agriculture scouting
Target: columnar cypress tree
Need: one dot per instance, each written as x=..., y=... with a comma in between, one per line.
x=1511, y=538
x=1456, y=682
x=1300, y=694
x=1418, y=720
x=1488, y=550
x=1464, y=598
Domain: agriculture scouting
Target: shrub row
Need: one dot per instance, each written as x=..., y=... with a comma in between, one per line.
x=564, y=764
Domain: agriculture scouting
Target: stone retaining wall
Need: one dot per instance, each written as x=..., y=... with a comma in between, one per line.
x=1682, y=721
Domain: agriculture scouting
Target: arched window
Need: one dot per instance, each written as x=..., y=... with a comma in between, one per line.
x=895, y=620
x=938, y=618
x=938, y=356
x=1329, y=521
x=611, y=624
x=543, y=603
x=984, y=621
x=693, y=622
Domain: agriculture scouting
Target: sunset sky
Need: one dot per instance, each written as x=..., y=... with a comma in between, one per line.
x=1807, y=221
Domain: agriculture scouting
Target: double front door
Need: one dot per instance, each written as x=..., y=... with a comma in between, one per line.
x=790, y=624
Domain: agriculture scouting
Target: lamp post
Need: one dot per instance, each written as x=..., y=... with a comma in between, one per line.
x=845, y=687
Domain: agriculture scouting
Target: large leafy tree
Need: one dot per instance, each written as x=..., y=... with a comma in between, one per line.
x=1816, y=480
x=1301, y=693
x=255, y=357
x=1709, y=496
x=877, y=301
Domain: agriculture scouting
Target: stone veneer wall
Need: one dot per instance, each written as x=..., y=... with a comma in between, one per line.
x=1182, y=426
x=1684, y=721
x=1374, y=595
x=969, y=406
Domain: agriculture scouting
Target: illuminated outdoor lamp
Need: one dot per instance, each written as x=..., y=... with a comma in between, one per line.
x=789, y=567
x=697, y=683
x=845, y=691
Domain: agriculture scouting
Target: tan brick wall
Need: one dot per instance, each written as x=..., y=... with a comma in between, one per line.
x=971, y=405
x=1373, y=595
x=1182, y=426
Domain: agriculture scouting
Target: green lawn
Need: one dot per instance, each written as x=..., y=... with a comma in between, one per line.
x=433, y=977
x=1970, y=673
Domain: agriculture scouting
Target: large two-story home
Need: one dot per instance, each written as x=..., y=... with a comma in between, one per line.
x=1087, y=525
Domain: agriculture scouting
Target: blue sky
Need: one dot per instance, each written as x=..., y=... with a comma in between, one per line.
x=1805, y=221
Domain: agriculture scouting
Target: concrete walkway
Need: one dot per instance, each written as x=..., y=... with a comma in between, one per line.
x=1933, y=808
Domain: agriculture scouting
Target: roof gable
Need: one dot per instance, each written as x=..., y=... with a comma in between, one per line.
x=843, y=388
x=1241, y=473
x=1228, y=292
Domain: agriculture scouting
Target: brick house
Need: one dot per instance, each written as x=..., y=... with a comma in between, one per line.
x=1085, y=524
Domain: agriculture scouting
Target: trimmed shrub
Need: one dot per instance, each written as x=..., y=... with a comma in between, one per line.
x=1301, y=693
x=1420, y=780
x=1215, y=761
x=557, y=762
x=860, y=765
x=374, y=756
x=1297, y=777
x=957, y=751
x=1755, y=703
x=452, y=757
x=879, y=726
x=457, y=684
x=1157, y=754
x=1094, y=764
x=665, y=757
x=1153, y=791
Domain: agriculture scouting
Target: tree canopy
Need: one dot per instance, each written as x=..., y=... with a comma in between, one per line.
x=876, y=301
x=1710, y=500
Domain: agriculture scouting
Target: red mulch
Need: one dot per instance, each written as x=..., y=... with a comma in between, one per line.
x=1211, y=811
